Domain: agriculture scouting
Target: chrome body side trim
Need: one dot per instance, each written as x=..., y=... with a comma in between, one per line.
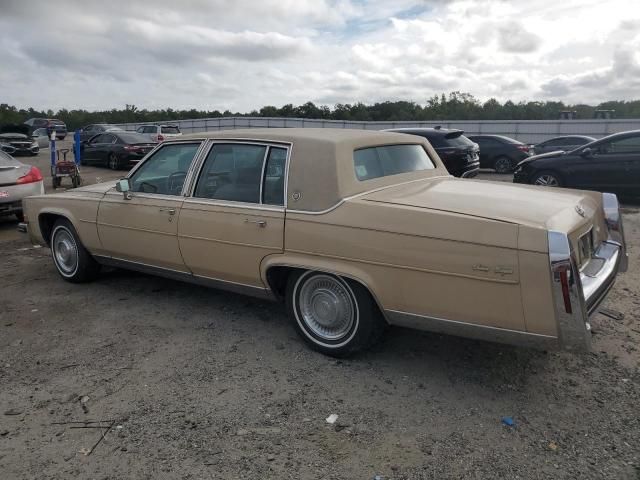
x=253, y=291
x=613, y=219
x=470, y=330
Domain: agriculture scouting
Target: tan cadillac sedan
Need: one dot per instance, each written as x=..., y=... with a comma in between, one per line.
x=354, y=230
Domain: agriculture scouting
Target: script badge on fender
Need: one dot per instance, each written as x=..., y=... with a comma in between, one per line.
x=580, y=210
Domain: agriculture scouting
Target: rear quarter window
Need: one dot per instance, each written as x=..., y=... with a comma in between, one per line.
x=383, y=161
x=170, y=130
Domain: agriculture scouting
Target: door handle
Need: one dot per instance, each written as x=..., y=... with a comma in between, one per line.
x=260, y=223
x=170, y=211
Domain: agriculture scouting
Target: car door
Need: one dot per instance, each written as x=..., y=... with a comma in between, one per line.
x=144, y=228
x=235, y=215
x=611, y=165
x=90, y=150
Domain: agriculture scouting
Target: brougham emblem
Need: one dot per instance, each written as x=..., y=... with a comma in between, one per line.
x=580, y=210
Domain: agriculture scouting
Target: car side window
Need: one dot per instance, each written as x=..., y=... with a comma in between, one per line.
x=107, y=138
x=232, y=172
x=273, y=182
x=624, y=145
x=165, y=171
x=98, y=139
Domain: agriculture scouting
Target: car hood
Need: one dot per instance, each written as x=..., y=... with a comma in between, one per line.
x=531, y=206
x=556, y=153
x=12, y=136
x=103, y=187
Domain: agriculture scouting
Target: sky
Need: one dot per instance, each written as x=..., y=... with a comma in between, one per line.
x=244, y=54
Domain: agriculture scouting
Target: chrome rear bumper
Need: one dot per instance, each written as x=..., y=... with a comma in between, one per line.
x=577, y=294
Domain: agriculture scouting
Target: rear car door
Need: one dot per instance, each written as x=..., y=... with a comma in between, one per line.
x=235, y=215
x=144, y=228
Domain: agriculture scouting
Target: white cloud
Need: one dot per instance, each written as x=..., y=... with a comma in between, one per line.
x=242, y=55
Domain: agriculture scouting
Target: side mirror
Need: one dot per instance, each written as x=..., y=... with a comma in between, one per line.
x=124, y=186
x=587, y=152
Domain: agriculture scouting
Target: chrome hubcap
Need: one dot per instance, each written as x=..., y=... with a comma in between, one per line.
x=547, y=181
x=326, y=307
x=65, y=251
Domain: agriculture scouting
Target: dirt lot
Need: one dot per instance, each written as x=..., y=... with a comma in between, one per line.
x=197, y=383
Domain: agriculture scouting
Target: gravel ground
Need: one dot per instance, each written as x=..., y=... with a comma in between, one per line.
x=197, y=383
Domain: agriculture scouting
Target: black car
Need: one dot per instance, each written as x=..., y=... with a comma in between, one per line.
x=609, y=164
x=50, y=124
x=458, y=153
x=499, y=152
x=18, y=144
x=565, y=144
x=89, y=131
x=115, y=149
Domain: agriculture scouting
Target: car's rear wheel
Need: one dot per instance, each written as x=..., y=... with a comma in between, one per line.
x=503, y=165
x=113, y=163
x=335, y=316
x=73, y=262
x=547, y=179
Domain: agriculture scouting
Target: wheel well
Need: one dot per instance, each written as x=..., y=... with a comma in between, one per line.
x=46, y=222
x=277, y=277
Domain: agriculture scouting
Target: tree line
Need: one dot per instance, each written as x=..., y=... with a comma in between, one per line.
x=454, y=106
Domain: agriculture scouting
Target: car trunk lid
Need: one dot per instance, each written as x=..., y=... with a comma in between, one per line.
x=537, y=207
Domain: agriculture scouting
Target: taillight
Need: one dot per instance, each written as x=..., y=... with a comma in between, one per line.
x=130, y=148
x=160, y=138
x=32, y=176
x=523, y=148
x=564, y=283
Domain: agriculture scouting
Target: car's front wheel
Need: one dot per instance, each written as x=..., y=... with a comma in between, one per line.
x=503, y=165
x=335, y=316
x=73, y=262
x=547, y=179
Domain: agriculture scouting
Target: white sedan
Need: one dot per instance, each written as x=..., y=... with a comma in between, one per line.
x=17, y=180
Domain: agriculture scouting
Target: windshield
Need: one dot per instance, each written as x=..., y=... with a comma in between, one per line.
x=376, y=162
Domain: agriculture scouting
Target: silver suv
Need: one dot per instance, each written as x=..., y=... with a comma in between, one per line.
x=157, y=133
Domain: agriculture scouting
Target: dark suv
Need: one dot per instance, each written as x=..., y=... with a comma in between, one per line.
x=50, y=124
x=499, y=152
x=459, y=154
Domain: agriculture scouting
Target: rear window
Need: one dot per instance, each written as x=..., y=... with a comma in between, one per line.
x=457, y=141
x=7, y=160
x=170, y=130
x=133, y=138
x=376, y=162
x=56, y=122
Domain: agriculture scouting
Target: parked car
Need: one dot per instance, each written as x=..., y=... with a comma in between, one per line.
x=41, y=138
x=459, y=154
x=609, y=164
x=17, y=181
x=377, y=232
x=499, y=152
x=89, y=131
x=159, y=133
x=50, y=124
x=565, y=144
x=18, y=144
x=115, y=149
